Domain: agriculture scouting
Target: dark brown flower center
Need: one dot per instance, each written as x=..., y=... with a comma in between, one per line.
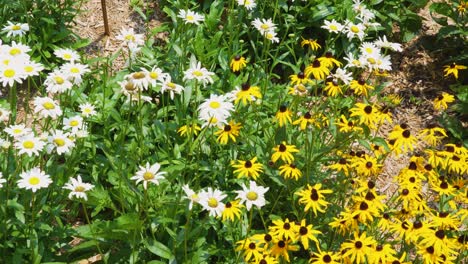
x=412, y=166
x=227, y=128
x=405, y=192
x=430, y=250
x=368, y=109
x=283, y=109
x=327, y=258
x=245, y=87
x=301, y=75
x=237, y=58
x=268, y=238
x=281, y=244
x=342, y=161
x=286, y=226
x=282, y=148
x=228, y=205
x=361, y=81
x=368, y=164
x=440, y=234
x=379, y=248
x=358, y=244
x=370, y=196
x=314, y=195
x=307, y=115
x=406, y=133
x=444, y=185
x=252, y=245
x=363, y=206
x=316, y=64
x=303, y=230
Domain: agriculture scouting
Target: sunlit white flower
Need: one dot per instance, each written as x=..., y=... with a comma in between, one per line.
x=384, y=43
x=46, y=107
x=249, y=4
x=78, y=188
x=211, y=200
x=67, y=54
x=4, y=144
x=139, y=79
x=149, y=173
x=216, y=106
x=352, y=62
x=15, y=29
x=355, y=30
x=155, y=75
x=333, y=26
x=272, y=37
x=29, y=144
x=343, y=75
x=57, y=82
x=11, y=73
x=87, y=110
x=32, y=68
x=4, y=114
x=16, y=50
x=366, y=16
x=170, y=87
x=191, y=17
x=59, y=141
x=82, y=133
x=191, y=195
x=74, y=71
x=73, y=123
x=17, y=131
x=130, y=38
x=264, y=25
x=369, y=49
x=34, y=180
x=252, y=195
x=2, y=181
x=128, y=88
x=196, y=71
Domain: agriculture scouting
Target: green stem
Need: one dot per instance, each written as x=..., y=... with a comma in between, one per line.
x=92, y=232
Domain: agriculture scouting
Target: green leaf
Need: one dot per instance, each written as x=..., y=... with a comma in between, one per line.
x=159, y=249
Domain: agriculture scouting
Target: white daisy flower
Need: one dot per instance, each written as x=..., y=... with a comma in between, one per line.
x=155, y=75
x=67, y=54
x=128, y=88
x=60, y=141
x=4, y=144
x=139, y=79
x=17, y=131
x=16, y=50
x=355, y=30
x=32, y=68
x=130, y=38
x=384, y=63
x=4, y=115
x=171, y=88
x=57, y=82
x=149, y=173
x=29, y=144
x=272, y=37
x=332, y=26
x=74, y=123
x=253, y=195
x=343, y=75
x=74, y=71
x=211, y=200
x=264, y=25
x=216, y=106
x=78, y=188
x=249, y=4
x=369, y=49
x=190, y=195
x=34, y=180
x=384, y=43
x=352, y=62
x=87, y=110
x=15, y=29
x=191, y=17
x=196, y=71
x=2, y=181
x=46, y=107
x=11, y=73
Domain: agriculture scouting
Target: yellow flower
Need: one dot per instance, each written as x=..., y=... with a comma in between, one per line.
x=247, y=93
x=229, y=131
x=283, y=116
x=329, y=61
x=453, y=69
x=299, y=78
x=360, y=87
x=232, y=210
x=189, y=130
x=312, y=43
x=248, y=168
x=440, y=103
x=318, y=70
x=290, y=171
x=305, y=233
x=313, y=197
x=284, y=152
x=347, y=126
x=367, y=114
x=237, y=63
x=304, y=120
x=333, y=89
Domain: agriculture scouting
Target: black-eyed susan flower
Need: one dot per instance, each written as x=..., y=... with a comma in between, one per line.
x=282, y=229
x=304, y=233
x=284, y=152
x=443, y=188
x=345, y=223
x=381, y=254
x=360, y=87
x=385, y=222
x=432, y=134
x=408, y=196
x=429, y=255
x=229, y=131
x=367, y=114
x=250, y=249
x=438, y=239
x=329, y=61
x=367, y=166
x=341, y=166
x=189, y=130
x=324, y=257
x=248, y=168
x=358, y=248
x=313, y=197
x=401, y=229
x=283, y=116
x=238, y=63
x=385, y=115
x=282, y=247
x=453, y=69
x=445, y=220
x=304, y=120
x=364, y=210
x=299, y=78
x=347, y=126
x=333, y=88
x=247, y=94
x=440, y=103
x=462, y=6
x=290, y=171
x=312, y=43
x=317, y=69
x=232, y=210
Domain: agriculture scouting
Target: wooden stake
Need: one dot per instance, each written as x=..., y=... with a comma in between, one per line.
x=104, y=15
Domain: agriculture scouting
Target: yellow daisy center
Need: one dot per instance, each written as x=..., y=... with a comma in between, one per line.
x=252, y=196
x=48, y=105
x=153, y=75
x=368, y=50
x=59, y=142
x=75, y=70
x=194, y=197
x=354, y=29
x=264, y=26
x=148, y=176
x=17, y=131
x=79, y=189
x=130, y=37
x=190, y=18
x=333, y=27
x=28, y=68
x=215, y=105
x=34, y=180
x=15, y=27
x=212, y=202
x=371, y=60
x=59, y=80
x=74, y=123
x=198, y=73
x=67, y=56
x=138, y=75
x=9, y=73
x=171, y=85
x=28, y=144
x=15, y=51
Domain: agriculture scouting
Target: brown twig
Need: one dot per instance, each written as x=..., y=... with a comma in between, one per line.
x=104, y=15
